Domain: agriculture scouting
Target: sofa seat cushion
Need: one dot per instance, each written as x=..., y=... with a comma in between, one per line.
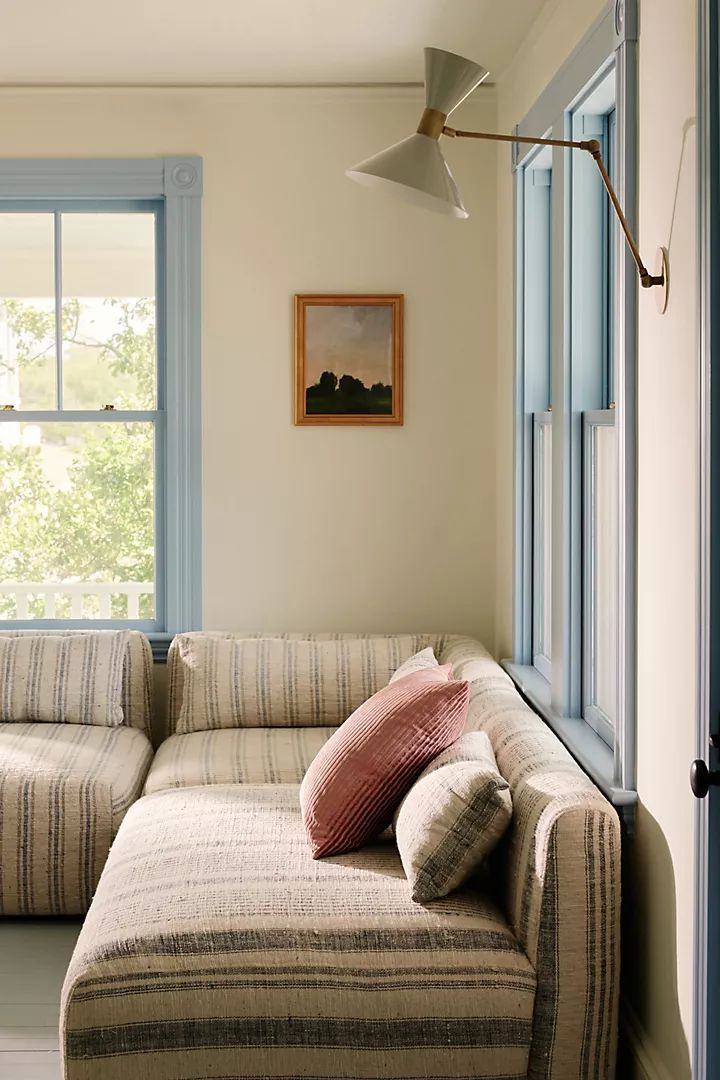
x=239, y=756
x=217, y=947
x=64, y=789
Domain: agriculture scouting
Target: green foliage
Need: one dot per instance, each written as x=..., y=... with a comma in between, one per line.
x=98, y=524
x=34, y=330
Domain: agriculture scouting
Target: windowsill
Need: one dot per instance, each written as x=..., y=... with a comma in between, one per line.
x=592, y=754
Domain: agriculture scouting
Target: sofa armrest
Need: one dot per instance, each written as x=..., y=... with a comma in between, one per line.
x=562, y=877
x=562, y=891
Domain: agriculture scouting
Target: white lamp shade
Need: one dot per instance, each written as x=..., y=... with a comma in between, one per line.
x=415, y=169
x=449, y=79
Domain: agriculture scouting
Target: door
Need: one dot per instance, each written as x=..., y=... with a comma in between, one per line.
x=705, y=770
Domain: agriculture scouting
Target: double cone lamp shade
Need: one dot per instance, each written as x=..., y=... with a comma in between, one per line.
x=415, y=169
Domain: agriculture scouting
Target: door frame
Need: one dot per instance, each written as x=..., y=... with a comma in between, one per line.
x=706, y=1036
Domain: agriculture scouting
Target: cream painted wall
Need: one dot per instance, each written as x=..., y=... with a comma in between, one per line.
x=344, y=528
x=659, y=870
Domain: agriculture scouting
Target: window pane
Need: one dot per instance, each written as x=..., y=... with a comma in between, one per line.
x=542, y=543
x=27, y=311
x=605, y=569
x=77, y=521
x=108, y=283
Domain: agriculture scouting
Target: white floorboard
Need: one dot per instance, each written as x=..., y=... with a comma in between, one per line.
x=30, y=1066
x=34, y=955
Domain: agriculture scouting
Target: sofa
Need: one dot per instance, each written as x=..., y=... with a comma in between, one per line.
x=216, y=947
x=64, y=790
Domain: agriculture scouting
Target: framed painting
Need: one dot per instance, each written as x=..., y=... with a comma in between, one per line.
x=348, y=359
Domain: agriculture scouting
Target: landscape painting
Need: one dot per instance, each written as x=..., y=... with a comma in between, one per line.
x=348, y=359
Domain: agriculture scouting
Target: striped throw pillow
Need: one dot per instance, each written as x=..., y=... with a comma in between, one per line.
x=421, y=661
x=452, y=817
x=352, y=787
x=230, y=682
x=63, y=678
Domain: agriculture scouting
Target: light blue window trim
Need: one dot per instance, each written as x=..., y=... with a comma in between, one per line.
x=581, y=382
x=172, y=186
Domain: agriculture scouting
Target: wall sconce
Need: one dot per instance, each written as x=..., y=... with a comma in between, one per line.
x=416, y=171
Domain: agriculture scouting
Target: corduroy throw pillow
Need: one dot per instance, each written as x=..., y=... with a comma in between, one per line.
x=360, y=775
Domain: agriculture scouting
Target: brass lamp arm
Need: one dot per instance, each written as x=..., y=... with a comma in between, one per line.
x=592, y=147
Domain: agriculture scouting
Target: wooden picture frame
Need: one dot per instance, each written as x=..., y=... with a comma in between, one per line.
x=363, y=336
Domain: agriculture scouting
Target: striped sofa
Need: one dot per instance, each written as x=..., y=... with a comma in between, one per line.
x=216, y=947
x=64, y=789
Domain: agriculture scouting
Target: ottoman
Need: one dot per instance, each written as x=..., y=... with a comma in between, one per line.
x=216, y=947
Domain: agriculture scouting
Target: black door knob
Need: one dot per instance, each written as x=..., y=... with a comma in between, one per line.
x=701, y=779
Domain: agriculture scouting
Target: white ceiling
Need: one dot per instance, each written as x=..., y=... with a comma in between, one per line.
x=250, y=41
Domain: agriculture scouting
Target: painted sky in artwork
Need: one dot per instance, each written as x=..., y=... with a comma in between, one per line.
x=349, y=340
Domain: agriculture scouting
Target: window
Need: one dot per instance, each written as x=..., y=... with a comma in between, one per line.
x=573, y=606
x=81, y=430
x=92, y=374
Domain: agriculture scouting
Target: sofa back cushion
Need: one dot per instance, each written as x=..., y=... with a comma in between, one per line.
x=137, y=671
x=63, y=679
x=229, y=680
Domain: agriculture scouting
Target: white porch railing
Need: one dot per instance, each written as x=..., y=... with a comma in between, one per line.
x=77, y=592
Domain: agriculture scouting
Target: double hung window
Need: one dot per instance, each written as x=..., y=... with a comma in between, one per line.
x=81, y=438
x=573, y=607
x=99, y=395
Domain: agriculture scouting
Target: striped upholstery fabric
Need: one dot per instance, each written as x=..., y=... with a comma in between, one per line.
x=562, y=873
x=63, y=679
x=235, y=756
x=136, y=694
x=64, y=789
x=288, y=680
x=243, y=958
x=423, y=661
x=452, y=817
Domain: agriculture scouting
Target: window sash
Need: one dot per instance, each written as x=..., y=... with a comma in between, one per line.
x=542, y=544
x=600, y=719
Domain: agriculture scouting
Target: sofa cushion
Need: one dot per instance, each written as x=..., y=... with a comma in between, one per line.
x=452, y=817
x=57, y=678
x=64, y=789
x=216, y=947
x=354, y=784
x=226, y=680
x=136, y=693
x=235, y=756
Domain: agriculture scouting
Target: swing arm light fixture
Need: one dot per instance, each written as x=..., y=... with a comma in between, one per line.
x=416, y=171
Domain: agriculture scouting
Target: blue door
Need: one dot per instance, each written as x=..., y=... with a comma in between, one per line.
x=705, y=770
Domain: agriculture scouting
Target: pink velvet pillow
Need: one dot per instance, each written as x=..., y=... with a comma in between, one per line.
x=358, y=778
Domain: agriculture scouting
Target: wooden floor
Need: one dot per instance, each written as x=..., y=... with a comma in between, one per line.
x=34, y=955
